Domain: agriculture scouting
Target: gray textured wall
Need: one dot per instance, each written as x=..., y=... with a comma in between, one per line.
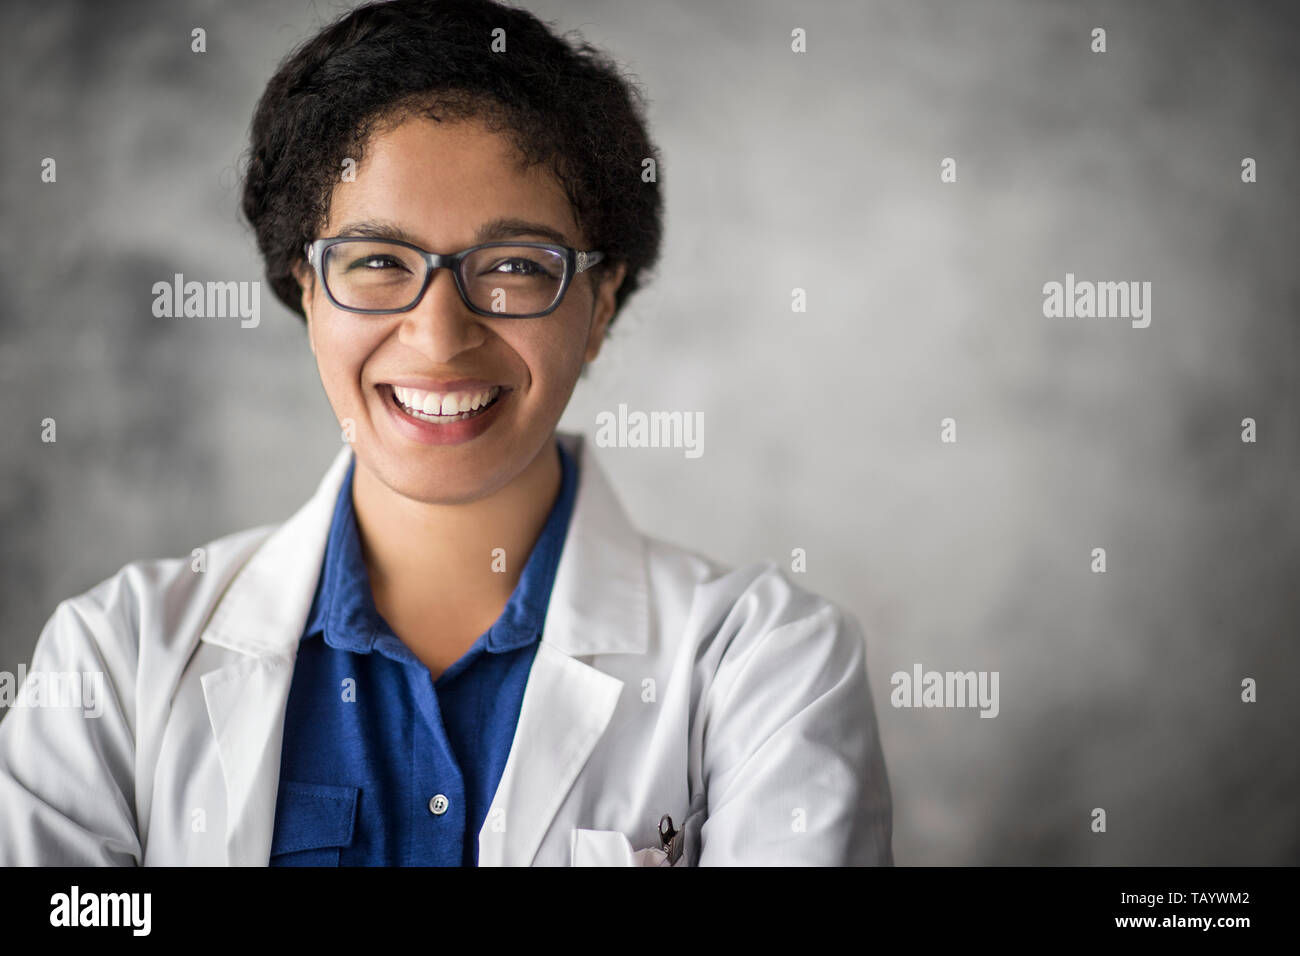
x=818, y=170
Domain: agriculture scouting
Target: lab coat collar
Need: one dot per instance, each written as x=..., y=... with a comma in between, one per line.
x=599, y=605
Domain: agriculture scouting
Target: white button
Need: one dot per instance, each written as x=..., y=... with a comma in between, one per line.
x=438, y=805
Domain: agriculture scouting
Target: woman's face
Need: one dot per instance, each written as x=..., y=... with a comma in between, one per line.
x=439, y=185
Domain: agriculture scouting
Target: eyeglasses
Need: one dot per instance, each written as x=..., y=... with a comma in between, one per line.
x=517, y=280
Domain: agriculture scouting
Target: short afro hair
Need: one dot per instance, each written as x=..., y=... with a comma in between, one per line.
x=562, y=103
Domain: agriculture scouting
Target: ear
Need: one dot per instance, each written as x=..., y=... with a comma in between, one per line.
x=306, y=277
x=603, y=309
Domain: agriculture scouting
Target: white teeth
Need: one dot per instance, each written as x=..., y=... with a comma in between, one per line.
x=431, y=406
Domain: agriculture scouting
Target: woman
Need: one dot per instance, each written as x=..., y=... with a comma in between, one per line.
x=459, y=651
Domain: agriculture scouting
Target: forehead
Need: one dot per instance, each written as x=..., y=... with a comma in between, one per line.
x=440, y=181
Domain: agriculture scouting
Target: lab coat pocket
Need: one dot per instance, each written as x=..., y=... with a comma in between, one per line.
x=313, y=823
x=611, y=848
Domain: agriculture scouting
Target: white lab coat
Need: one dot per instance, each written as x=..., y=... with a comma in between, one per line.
x=733, y=701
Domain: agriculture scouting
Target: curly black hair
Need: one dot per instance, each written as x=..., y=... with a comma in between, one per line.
x=563, y=103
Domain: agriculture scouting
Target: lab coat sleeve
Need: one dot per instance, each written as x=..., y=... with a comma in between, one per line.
x=793, y=763
x=66, y=772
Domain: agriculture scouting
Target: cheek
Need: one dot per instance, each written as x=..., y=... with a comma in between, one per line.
x=554, y=358
x=342, y=349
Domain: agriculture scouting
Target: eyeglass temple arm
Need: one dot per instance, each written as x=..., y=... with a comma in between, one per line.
x=585, y=260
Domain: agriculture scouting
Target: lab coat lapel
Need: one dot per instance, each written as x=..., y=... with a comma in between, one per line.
x=599, y=605
x=566, y=706
x=262, y=615
x=245, y=709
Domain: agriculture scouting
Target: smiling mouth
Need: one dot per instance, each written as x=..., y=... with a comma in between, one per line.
x=492, y=397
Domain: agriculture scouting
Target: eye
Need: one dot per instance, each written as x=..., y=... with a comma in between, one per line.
x=522, y=267
x=525, y=268
x=376, y=263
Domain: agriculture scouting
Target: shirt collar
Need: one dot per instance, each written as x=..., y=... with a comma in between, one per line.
x=344, y=611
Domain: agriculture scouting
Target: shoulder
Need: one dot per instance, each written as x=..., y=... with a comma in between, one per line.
x=161, y=601
x=757, y=608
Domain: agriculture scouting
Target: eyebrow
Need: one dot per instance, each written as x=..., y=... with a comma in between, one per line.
x=505, y=227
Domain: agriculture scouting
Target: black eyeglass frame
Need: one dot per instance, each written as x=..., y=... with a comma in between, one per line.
x=575, y=263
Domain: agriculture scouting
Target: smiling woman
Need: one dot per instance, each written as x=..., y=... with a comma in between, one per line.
x=459, y=651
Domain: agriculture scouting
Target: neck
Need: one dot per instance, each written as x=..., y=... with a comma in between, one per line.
x=431, y=566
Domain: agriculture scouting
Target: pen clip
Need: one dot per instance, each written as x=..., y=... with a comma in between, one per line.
x=670, y=839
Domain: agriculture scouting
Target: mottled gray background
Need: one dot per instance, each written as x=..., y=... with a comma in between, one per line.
x=822, y=430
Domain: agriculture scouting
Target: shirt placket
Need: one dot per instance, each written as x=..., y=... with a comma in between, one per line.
x=438, y=800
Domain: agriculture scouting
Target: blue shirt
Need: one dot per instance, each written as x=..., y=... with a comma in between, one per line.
x=382, y=765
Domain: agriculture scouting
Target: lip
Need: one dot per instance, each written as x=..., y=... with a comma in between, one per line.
x=454, y=385
x=452, y=433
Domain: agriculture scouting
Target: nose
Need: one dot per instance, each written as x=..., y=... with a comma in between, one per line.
x=441, y=326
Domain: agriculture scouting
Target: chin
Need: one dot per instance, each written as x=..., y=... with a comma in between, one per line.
x=447, y=484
